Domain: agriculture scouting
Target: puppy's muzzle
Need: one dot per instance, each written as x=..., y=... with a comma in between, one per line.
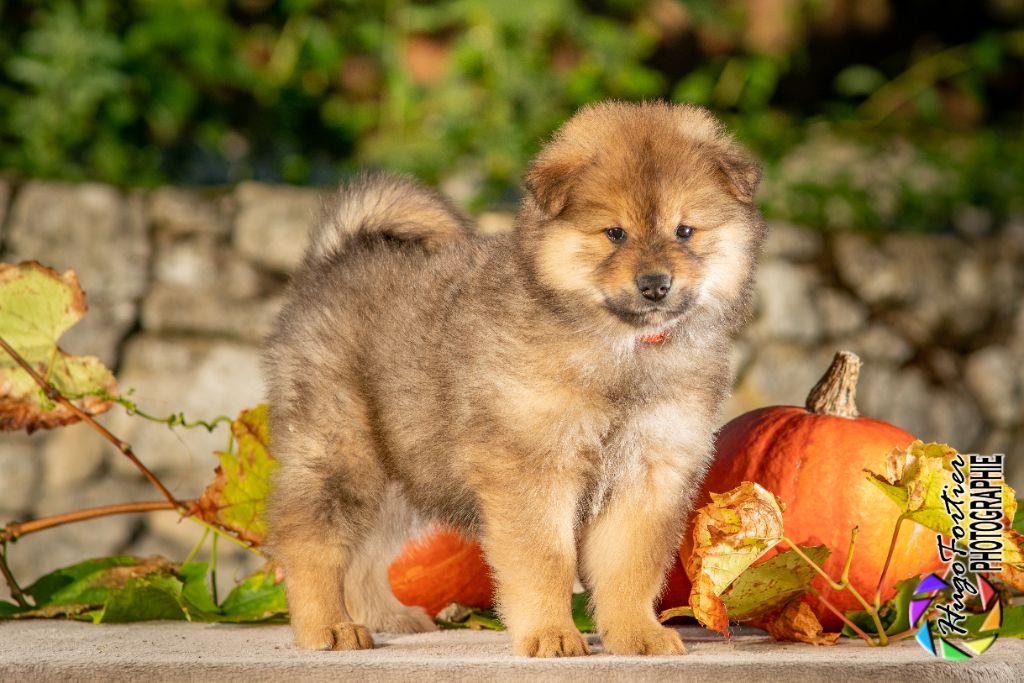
x=654, y=286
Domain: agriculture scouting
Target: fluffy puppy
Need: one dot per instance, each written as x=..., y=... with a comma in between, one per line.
x=553, y=390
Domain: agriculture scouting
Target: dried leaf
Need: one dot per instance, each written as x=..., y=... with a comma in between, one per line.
x=730, y=533
x=236, y=498
x=37, y=305
x=796, y=622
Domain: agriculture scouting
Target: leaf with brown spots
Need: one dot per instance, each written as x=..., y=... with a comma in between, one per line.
x=796, y=622
x=37, y=304
x=236, y=498
x=729, y=534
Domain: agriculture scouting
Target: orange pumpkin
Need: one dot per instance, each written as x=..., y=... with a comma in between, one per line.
x=813, y=459
x=441, y=568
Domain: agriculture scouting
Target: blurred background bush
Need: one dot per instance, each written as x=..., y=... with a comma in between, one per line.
x=869, y=114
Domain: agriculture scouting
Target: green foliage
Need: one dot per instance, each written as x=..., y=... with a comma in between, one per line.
x=124, y=589
x=146, y=91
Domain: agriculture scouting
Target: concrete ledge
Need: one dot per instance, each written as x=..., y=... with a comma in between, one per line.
x=175, y=651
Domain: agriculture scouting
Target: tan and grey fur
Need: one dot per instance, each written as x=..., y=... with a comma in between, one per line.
x=420, y=374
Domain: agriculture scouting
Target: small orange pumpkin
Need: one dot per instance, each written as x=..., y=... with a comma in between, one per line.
x=441, y=568
x=813, y=459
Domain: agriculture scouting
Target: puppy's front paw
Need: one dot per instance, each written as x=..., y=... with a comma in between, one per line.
x=651, y=639
x=341, y=636
x=551, y=642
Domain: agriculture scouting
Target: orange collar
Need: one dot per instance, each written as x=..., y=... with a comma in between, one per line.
x=654, y=338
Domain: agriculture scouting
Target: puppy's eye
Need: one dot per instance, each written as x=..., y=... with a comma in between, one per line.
x=615, y=234
x=684, y=232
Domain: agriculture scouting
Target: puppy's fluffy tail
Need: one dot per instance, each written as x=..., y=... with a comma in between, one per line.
x=384, y=205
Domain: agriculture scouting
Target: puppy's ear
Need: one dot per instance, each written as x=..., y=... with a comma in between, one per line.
x=742, y=172
x=552, y=175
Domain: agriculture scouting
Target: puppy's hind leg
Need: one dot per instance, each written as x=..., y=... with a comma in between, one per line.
x=315, y=525
x=368, y=594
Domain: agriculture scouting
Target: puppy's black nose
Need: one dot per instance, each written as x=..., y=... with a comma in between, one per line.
x=654, y=286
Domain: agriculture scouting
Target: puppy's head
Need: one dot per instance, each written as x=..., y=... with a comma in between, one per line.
x=645, y=212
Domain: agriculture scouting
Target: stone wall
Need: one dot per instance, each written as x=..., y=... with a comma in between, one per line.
x=182, y=285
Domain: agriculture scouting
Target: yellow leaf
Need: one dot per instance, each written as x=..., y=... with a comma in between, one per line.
x=915, y=478
x=1012, y=573
x=730, y=533
x=236, y=498
x=37, y=304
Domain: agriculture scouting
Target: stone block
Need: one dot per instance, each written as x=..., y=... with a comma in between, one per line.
x=272, y=224
x=101, y=235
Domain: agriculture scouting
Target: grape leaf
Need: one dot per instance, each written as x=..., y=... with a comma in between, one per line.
x=914, y=479
x=37, y=305
x=729, y=534
x=1012, y=626
x=195, y=592
x=144, y=598
x=1018, y=518
x=236, y=498
x=45, y=587
x=770, y=585
x=258, y=597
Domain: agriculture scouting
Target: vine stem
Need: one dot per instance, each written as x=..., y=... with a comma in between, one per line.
x=844, y=582
x=54, y=395
x=835, y=610
x=12, y=583
x=888, y=560
x=15, y=530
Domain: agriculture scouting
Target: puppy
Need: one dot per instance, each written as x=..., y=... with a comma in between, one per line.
x=553, y=390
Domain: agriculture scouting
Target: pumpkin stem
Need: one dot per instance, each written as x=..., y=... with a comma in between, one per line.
x=836, y=392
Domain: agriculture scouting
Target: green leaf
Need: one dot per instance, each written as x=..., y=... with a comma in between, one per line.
x=773, y=583
x=62, y=580
x=257, y=598
x=7, y=609
x=581, y=615
x=37, y=305
x=146, y=598
x=1018, y=519
x=894, y=613
x=196, y=592
x=1012, y=627
x=236, y=498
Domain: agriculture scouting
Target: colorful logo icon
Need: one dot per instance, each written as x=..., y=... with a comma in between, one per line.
x=939, y=646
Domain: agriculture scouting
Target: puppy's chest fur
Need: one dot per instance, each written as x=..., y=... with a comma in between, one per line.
x=611, y=420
